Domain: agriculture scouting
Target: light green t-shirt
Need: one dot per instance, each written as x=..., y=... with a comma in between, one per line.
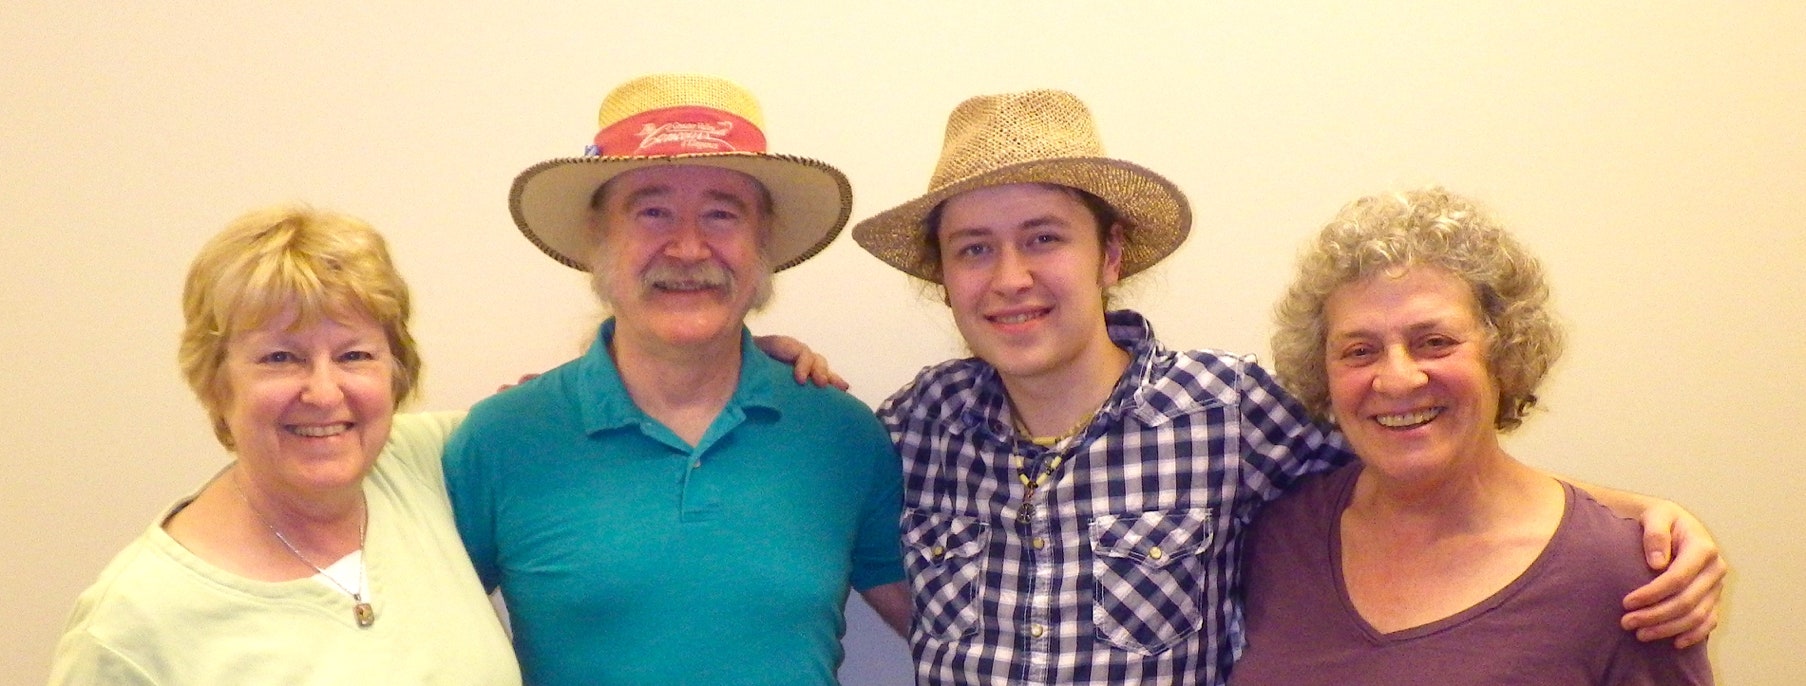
x=160, y=615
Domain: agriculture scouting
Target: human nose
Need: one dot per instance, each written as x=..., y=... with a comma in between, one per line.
x=1398, y=373
x=1013, y=271
x=323, y=385
x=687, y=242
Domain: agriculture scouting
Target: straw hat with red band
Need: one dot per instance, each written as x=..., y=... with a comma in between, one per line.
x=682, y=119
x=1041, y=136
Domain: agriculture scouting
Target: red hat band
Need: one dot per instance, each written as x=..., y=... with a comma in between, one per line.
x=683, y=130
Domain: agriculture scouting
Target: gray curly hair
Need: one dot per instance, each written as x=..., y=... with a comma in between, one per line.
x=1434, y=227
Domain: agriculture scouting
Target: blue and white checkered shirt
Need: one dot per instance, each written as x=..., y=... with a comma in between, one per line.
x=1127, y=570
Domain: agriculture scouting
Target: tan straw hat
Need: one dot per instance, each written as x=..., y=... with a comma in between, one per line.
x=683, y=119
x=1041, y=136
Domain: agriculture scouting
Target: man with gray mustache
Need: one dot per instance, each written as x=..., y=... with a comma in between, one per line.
x=671, y=507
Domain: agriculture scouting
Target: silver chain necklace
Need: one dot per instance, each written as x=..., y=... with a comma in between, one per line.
x=361, y=610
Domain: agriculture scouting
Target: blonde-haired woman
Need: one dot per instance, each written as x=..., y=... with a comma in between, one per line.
x=325, y=552
x=1421, y=329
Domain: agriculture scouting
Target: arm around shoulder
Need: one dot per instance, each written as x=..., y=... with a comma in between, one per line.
x=1682, y=602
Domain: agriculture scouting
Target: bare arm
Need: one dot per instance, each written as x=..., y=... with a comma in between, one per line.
x=892, y=602
x=1682, y=602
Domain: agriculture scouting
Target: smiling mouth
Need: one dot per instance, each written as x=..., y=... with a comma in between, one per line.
x=1408, y=420
x=684, y=286
x=318, y=431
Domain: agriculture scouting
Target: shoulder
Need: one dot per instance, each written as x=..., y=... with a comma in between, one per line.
x=415, y=450
x=1179, y=381
x=1311, y=501
x=937, y=391
x=1600, y=547
x=1204, y=373
x=544, y=393
x=142, y=585
x=416, y=436
x=768, y=381
x=944, y=379
x=1597, y=558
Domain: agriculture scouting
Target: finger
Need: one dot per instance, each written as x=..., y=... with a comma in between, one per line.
x=1658, y=541
x=1658, y=591
x=1696, y=571
x=1696, y=636
x=1686, y=630
x=804, y=367
x=1694, y=605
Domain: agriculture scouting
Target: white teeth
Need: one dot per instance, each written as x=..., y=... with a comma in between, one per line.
x=319, y=431
x=1399, y=421
x=1015, y=318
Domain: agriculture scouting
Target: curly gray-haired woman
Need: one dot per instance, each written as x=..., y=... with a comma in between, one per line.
x=1421, y=329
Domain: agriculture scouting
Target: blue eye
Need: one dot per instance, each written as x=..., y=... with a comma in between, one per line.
x=358, y=356
x=277, y=357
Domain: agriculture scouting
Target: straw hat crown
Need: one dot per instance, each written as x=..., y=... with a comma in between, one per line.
x=994, y=131
x=1040, y=136
x=661, y=91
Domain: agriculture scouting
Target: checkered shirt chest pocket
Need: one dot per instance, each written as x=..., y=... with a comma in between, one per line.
x=1149, y=572
x=945, y=556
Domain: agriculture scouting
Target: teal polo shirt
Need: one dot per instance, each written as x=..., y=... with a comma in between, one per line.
x=629, y=557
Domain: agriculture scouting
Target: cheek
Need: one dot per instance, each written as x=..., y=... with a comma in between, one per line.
x=375, y=391
x=962, y=297
x=246, y=405
x=1345, y=389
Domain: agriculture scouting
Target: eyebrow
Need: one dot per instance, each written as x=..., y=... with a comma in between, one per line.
x=729, y=198
x=643, y=193
x=1412, y=330
x=1042, y=221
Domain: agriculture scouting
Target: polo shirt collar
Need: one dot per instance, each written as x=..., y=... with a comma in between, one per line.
x=609, y=406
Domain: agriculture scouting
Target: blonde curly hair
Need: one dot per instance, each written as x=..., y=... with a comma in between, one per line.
x=1427, y=227
x=324, y=264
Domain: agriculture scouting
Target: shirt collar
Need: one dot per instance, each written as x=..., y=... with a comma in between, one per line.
x=608, y=406
x=984, y=403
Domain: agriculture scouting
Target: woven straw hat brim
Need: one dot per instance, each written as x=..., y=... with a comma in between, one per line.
x=810, y=200
x=1158, y=209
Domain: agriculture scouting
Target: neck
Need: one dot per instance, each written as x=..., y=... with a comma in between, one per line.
x=1458, y=500
x=1049, y=404
x=329, y=526
x=685, y=387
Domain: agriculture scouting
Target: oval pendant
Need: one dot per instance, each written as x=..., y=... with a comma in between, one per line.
x=365, y=615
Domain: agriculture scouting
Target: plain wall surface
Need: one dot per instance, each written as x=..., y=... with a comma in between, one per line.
x=1652, y=154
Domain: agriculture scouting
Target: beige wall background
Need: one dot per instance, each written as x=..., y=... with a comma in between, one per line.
x=1653, y=154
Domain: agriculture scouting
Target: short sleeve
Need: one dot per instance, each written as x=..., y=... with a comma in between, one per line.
x=878, y=553
x=82, y=659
